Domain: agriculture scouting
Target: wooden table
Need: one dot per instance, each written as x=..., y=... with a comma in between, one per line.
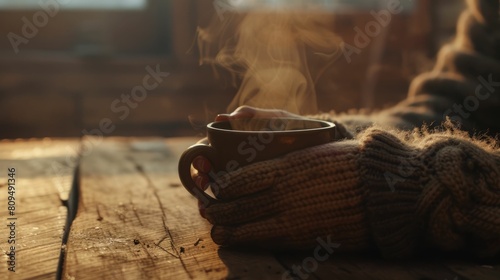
x=119, y=212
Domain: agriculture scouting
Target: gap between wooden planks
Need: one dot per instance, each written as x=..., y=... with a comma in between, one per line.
x=44, y=172
x=135, y=220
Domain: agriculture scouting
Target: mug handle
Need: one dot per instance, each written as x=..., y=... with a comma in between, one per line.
x=185, y=171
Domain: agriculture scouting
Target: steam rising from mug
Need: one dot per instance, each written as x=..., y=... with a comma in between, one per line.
x=267, y=51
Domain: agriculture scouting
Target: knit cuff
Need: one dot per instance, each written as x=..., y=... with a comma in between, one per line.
x=461, y=199
x=390, y=174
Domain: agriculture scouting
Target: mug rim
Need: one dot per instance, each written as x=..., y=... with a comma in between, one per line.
x=325, y=126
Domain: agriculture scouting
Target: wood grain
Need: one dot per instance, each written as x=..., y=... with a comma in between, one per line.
x=44, y=171
x=135, y=221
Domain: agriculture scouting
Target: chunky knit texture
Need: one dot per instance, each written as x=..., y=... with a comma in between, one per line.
x=398, y=191
x=441, y=190
x=461, y=194
x=290, y=201
x=390, y=173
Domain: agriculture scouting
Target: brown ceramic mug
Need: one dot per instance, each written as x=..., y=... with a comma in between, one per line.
x=267, y=138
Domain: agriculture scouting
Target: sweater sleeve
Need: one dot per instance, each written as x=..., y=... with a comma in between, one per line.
x=464, y=85
x=440, y=191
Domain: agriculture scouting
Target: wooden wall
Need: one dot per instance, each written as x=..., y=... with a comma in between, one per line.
x=49, y=98
x=62, y=92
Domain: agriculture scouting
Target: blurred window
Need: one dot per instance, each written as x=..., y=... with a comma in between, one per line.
x=86, y=27
x=76, y=4
x=328, y=5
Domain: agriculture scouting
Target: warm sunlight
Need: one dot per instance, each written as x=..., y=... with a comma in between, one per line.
x=76, y=4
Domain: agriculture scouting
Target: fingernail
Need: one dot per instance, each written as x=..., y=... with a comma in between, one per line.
x=221, y=117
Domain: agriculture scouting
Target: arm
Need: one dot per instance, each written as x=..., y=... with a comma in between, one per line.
x=439, y=191
x=463, y=86
x=395, y=192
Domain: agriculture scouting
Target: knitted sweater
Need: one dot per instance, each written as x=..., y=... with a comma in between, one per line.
x=397, y=192
x=464, y=85
x=389, y=184
x=441, y=189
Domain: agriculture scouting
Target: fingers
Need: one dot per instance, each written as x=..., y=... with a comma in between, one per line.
x=202, y=167
x=202, y=164
x=222, y=118
x=242, y=182
x=243, y=195
x=250, y=118
x=244, y=112
x=254, y=119
x=252, y=112
x=247, y=180
x=201, y=180
x=248, y=112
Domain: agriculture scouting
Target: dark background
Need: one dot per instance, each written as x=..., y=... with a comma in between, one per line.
x=65, y=78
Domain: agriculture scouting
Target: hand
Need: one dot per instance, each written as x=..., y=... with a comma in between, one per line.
x=250, y=115
x=202, y=165
x=291, y=201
